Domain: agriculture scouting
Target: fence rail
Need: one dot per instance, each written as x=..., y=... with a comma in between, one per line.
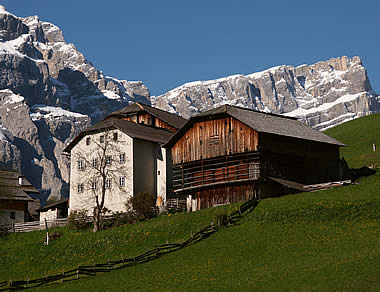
x=33, y=226
x=158, y=251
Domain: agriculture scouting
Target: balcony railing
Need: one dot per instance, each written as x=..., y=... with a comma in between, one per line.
x=216, y=171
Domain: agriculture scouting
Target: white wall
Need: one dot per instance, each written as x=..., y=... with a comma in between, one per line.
x=161, y=176
x=117, y=196
x=49, y=215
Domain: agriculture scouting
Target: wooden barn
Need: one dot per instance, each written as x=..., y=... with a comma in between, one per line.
x=231, y=154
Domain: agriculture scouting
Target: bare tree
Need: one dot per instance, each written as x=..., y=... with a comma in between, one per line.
x=103, y=169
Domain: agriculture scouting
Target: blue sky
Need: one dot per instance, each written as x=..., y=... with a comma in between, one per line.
x=167, y=43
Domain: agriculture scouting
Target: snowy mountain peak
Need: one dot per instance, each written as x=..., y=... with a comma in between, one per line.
x=322, y=94
x=3, y=10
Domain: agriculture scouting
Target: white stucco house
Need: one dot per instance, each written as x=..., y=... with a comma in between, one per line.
x=129, y=145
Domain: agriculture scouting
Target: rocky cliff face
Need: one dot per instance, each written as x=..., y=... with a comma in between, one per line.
x=323, y=94
x=49, y=92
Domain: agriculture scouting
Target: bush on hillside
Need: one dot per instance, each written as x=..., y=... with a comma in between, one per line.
x=143, y=205
x=121, y=218
x=77, y=220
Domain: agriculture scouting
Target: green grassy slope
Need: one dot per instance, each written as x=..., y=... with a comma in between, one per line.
x=359, y=135
x=326, y=240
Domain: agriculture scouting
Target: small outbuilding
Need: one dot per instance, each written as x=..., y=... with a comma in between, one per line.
x=231, y=154
x=15, y=197
x=54, y=210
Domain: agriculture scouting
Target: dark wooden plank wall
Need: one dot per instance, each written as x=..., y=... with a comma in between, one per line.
x=300, y=160
x=224, y=195
x=148, y=119
x=17, y=205
x=214, y=138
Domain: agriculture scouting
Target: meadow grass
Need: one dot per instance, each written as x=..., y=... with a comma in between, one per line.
x=359, y=136
x=324, y=241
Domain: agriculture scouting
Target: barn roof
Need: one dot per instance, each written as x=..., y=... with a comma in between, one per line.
x=133, y=130
x=63, y=203
x=173, y=120
x=260, y=122
x=10, y=189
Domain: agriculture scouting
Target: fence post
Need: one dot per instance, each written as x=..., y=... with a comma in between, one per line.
x=78, y=273
x=63, y=276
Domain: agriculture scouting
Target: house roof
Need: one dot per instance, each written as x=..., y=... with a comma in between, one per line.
x=60, y=203
x=133, y=130
x=260, y=122
x=173, y=120
x=10, y=189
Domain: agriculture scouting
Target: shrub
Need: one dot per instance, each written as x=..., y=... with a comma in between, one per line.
x=77, y=220
x=55, y=235
x=143, y=205
x=121, y=218
x=221, y=217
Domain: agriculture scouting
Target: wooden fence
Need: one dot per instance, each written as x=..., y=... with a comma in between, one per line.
x=175, y=205
x=158, y=251
x=33, y=226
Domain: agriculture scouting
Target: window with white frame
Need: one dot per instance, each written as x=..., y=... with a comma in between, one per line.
x=122, y=157
x=101, y=139
x=80, y=188
x=95, y=162
x=108, y=159
x=122, y=181
x=88, y=141
x=80, y=164
x=93, y=185
x=108, y=183
x=115, y=136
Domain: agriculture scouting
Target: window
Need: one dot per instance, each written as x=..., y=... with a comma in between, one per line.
x=80, y=188
x=122, y=157
x=12, y=215
x=93, y=185
x=80, y=164
x=108, y=159
x=108, y=183
x=88, y=141
x=102, y=139
x=95, y=162
x=115, y=136
x=122, y=181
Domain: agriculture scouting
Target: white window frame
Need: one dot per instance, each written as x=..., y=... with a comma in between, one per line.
x=108, y=159
x=93, y=185
x=122, y=157
x=80, y=164
x=94, y=162
x=122, y=181
x=80, y=188
x=108, y=183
